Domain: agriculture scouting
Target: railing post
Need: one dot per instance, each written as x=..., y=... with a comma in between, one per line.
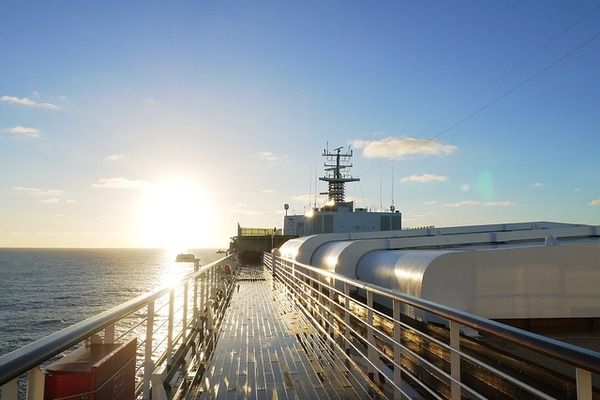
x=455, y=360
x=10, y=390
x=331, y=308
x=209, y=286
x=397, y=349
x=293, y=277
x=158, y=389
x=109, y=334
x=35, y=384
x=170, y=327
x=371, y=353
x=321, y=303
x=148, y=364
x=215, y=280
x=347, y=317
x=584, y=384
x=204, y=289
x=195, y=305
x=185, y=312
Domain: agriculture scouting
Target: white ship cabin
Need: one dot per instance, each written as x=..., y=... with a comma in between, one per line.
x=340, y=218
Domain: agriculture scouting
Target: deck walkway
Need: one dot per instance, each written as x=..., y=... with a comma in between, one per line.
x=268, y=350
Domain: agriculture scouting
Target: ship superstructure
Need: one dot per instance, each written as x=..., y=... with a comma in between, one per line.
x=338, y=215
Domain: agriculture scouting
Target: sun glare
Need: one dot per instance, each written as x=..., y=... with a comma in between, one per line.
x=175, y=215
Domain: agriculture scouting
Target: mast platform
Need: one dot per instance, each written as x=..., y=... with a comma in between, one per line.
x=266, y=349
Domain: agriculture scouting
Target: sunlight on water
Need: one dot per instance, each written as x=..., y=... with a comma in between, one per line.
x=42, y=291
x=172, y=271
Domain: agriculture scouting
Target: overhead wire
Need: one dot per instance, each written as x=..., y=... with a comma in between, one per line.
x=506, y=93
x=537, y=51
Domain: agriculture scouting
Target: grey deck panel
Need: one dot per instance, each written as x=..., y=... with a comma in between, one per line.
x=259, y=354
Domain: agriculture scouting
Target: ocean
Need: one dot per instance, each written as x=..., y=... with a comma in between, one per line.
x=44, y=290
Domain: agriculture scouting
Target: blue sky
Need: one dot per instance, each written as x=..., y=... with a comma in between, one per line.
x=106, y=108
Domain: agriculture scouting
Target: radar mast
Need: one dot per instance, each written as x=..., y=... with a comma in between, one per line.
x=337, y=165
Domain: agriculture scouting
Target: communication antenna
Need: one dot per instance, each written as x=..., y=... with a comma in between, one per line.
x=381, y=190
x=310, y=186
x=393, y=165
x=315, y=201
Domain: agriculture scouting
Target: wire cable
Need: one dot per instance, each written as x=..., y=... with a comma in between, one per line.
x=500, y=97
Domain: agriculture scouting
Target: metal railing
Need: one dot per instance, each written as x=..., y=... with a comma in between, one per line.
x=447, y=354
x=173, y=325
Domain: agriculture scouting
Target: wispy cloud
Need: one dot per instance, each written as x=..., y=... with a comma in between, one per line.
x=267, y=191
x=72, y=201
x=430, y=202
x=49, y=196
x=241, y=208
x=595, y=202
x=425, y=178
x=394, y=148
x=270, y=156
x=24, y=101
x=465, y=187
x=32, y=191
x=119, y=183
x=51, y=200
x=303, y=198
x=537, y=185
x=477, y=203
x=23, y=131
x=115, y=157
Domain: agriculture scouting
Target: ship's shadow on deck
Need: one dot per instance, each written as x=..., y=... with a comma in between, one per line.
x=268, y=350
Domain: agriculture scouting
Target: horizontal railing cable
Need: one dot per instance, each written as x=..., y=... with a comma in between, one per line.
x=561, y=351
x=353, y=317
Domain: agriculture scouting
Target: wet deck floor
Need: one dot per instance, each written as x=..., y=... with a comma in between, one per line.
x=268, y=350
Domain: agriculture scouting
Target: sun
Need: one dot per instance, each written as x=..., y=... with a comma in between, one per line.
x=175, y=215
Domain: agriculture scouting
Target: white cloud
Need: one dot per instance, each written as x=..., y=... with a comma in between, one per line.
x=579, y=189
x=119, y=183
x=465, y=187
x=430, y=202
x=72, y=201
x=595, y=202
x=269, y=156
x=303, y=198
x=50, y=200
x=267, y=191
x=537, y=185
x=114, y=157
x=40, y=192
x=23, y=131
x=24, y=101
x=241, y=208
x=394, y=148
x=425, y=178
x=477, y=203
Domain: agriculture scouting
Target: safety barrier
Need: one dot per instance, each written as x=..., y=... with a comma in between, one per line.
x=436, y=359
x=175, y=327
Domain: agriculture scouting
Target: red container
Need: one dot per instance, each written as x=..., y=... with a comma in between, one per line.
x=95, y=372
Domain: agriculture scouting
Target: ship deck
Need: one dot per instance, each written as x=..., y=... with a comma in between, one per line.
x=266, y=349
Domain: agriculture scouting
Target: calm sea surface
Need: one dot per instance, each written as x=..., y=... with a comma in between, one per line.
x=44, y=290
